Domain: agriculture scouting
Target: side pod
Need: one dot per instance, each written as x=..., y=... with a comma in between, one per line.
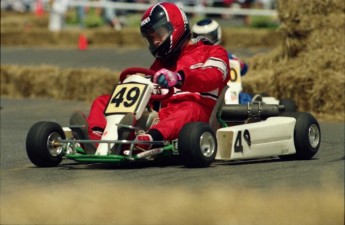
x=271, y=137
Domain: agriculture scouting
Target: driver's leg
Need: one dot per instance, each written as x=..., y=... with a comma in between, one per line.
x=176, y=115
x=96, y=119
x=172, y=119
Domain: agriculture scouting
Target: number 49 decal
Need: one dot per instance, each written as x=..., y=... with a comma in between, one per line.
x=238, y=141
x=126, y=98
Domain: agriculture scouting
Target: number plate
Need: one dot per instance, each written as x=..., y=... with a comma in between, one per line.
x=126, y=98
x=235, y=73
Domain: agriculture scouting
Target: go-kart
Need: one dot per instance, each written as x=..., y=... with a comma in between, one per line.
x=234, y=132
x=235, y=94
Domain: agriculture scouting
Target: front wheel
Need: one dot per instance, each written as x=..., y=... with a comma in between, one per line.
x=40, y=144
x=307, y=136
x=197, y=145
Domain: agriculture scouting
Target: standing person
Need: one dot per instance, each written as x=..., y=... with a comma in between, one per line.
x=246, y=4
x=197, y=69
x=210, y=29
x=80, y=11
x=57, y=15
x=111, y=17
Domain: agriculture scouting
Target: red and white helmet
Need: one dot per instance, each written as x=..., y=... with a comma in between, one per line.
x=166, y=22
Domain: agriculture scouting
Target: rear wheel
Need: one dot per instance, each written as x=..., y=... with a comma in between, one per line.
x=39, y=144
x=307, y=136
x=197, y=145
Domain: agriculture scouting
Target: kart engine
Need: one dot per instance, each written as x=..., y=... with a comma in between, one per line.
x=255, y=110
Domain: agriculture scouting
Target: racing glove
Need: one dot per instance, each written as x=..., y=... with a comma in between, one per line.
x=166, y=78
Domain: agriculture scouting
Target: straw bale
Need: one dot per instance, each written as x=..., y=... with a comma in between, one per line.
x=53, y=82
x=309, y=64
x=11, y=21
x=84, y=84
x=39, y=38
x=245, y=38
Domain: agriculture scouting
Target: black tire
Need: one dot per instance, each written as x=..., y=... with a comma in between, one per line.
x=197, y=145
x=38, y=141
x=290, y=105
x=307, y=136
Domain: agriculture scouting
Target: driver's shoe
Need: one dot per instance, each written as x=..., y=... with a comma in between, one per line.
x=144, y=138
x=80, y=131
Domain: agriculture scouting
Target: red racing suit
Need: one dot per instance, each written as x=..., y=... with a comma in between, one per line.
x=205, y=71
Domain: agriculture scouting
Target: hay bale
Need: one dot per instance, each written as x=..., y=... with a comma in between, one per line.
x=12, y=21
x=245, y=38
x=52, y=82
x=309, y=64
x=39, y=37
x=86, y=84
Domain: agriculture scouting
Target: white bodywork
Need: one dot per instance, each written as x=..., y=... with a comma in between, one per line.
x=232, y=95
x=272, y=137
x=110, y=131
x=270, y=100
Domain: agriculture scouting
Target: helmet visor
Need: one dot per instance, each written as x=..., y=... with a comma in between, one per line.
x=157, y=34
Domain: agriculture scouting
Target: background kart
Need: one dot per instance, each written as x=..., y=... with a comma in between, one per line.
x=234, y=132
x=235, y=95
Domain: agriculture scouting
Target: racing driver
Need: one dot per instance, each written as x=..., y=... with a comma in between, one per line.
x=196, y=68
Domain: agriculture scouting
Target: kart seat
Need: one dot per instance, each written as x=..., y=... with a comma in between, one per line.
x=214, y=123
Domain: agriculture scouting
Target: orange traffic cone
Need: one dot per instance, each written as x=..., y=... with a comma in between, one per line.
x=39, y=8
x=82, y=44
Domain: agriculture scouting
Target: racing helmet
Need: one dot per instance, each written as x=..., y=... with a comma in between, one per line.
x=165, y=27
x=208, y=28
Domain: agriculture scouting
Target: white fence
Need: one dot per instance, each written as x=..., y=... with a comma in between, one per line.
x=197, y=8
x=189, y=6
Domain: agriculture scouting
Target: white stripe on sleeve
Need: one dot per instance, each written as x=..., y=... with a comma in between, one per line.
x=218, y=63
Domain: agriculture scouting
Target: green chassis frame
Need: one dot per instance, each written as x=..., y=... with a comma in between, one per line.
x=79, y=155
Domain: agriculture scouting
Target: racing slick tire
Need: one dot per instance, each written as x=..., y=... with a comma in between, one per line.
x=39, y=144
x=197, y=145
x=307, y=136
x=290, y=105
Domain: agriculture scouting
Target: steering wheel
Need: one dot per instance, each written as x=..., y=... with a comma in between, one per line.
x=148, y=72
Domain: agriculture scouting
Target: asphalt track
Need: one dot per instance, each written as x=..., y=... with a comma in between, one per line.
x=18, y=174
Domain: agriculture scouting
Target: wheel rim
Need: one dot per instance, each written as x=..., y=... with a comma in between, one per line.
x=53, y=150
x=207, y=144
x=314, y=135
